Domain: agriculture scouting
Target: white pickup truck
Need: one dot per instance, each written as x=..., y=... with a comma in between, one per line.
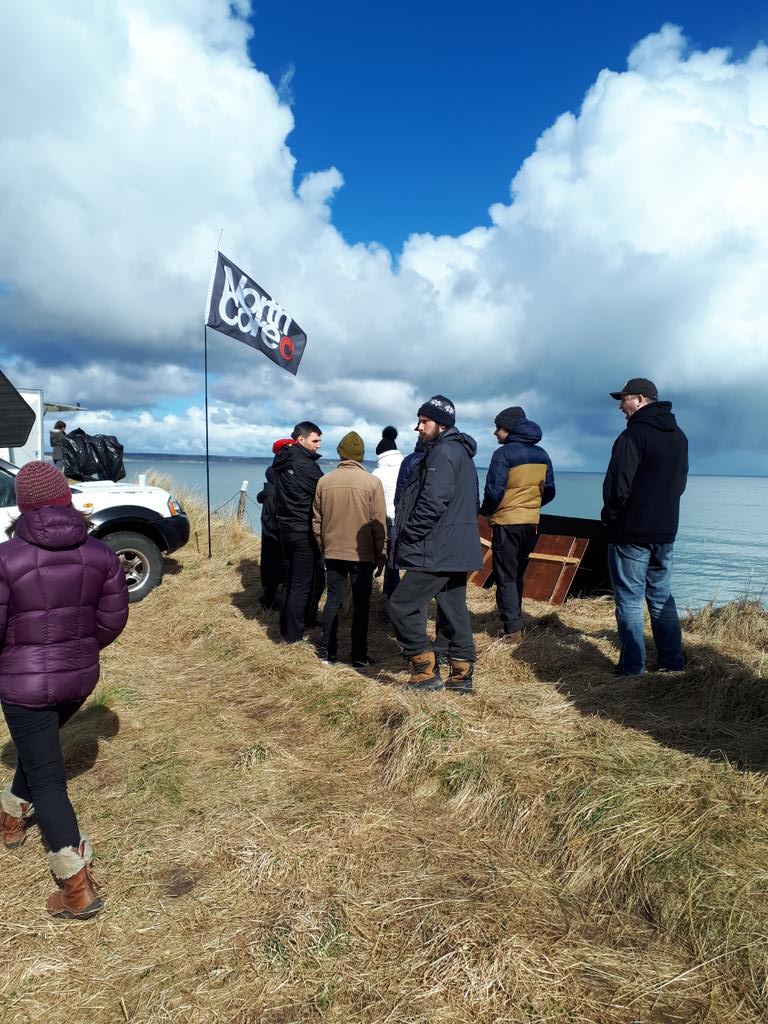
x=140, y=523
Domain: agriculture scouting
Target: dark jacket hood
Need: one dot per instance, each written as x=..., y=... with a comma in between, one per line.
x=290, y=454
x=658, y=415
x=52, y=528
x=525, y=431
x=454, y=436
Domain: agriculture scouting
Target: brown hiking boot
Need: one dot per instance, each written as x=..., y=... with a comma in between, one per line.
x=460, y=679
x=511, y=640
x=425, y=672
x=14, y=818
x=76, y=896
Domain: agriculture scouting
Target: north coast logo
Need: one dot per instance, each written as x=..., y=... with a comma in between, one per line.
x=255, y=313
x=242, y=309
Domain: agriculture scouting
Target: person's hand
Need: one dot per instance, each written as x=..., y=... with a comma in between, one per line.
x=380, y=567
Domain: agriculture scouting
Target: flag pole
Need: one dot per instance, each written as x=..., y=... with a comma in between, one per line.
x=207, y=467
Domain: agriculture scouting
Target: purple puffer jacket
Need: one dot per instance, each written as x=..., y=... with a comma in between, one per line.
x=62, y=598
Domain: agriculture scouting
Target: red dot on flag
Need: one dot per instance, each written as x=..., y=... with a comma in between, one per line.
x=286, y=348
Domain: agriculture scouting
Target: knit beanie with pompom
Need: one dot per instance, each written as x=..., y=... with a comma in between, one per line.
x=387, y=442
x=40, y=484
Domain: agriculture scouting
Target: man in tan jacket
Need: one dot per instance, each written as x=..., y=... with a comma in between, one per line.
x=349, y=521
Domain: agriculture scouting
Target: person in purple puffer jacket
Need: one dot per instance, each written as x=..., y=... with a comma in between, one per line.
x=62, y=598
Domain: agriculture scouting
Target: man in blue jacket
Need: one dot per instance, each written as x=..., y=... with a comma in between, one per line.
x=520, y=480
x=437, y=541
x=646, y=476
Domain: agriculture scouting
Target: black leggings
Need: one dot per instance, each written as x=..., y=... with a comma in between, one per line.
x=40, y=778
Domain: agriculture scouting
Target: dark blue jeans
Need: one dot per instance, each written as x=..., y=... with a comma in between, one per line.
x=40, y=778
x=642, y=573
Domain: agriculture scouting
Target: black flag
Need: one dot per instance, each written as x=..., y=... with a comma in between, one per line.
x=240, y=308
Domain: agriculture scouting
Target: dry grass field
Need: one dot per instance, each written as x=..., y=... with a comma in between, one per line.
x=281, y=841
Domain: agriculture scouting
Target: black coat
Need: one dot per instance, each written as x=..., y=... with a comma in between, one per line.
x=645, y=478
x=407, y=467
x=266, y=498
x=296, y=476
x=436, y=518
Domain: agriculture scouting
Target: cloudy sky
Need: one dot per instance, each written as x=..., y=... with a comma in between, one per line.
x=525, y=209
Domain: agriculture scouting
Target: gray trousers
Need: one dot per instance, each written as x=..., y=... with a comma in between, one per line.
x=408, y=612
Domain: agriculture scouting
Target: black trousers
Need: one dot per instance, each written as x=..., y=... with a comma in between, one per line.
x=408, y=612
x=304, y=583
x=271, y=567
x=391, y=574
x=40, y=777
x=511, y=548
x=361, y=576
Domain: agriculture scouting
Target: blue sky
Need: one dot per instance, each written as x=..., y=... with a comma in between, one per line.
x=509, y=204
x=429, y=107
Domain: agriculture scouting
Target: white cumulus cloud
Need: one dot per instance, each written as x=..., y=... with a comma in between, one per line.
x=634, y=241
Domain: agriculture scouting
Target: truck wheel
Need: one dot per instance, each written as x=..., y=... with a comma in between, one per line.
x=141, y=560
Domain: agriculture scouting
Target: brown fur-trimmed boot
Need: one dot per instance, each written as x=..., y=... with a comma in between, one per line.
x=76, y=896
x=425, y=672
x=460, y=679
x=14, y=818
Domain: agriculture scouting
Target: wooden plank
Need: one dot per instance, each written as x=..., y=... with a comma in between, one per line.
x=554, y=558
x=592, y=576
x=551, y=570
x=554, y=563
x=479, y=578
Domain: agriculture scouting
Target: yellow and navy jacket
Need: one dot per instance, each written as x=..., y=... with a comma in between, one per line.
x=520, y=478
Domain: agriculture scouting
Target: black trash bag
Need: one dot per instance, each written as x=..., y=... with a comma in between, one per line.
x=78, y=461
x=86, y=457
x=109, y=455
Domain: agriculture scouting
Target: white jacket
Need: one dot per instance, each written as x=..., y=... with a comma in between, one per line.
x=387, y=470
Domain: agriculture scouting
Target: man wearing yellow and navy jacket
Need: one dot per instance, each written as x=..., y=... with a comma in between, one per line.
x=520, y=480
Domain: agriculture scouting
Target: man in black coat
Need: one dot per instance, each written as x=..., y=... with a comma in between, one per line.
x=437, y=541
x=646, y=476
x=271, y=559
x=296, y=476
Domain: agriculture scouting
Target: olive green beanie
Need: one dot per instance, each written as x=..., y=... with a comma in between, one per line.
x=351, y=447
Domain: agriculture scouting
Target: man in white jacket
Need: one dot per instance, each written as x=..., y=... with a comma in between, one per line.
x=389, y=459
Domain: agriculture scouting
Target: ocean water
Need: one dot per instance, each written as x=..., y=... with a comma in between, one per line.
x=721, y=551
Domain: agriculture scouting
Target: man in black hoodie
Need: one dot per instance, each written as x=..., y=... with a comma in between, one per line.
x=296, y=476
x=641, y=509
x=436, y=540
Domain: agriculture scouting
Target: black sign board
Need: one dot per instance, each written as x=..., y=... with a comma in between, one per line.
x=16, y=416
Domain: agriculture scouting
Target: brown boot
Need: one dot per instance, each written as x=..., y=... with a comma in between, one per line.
x=425, y=672
x=460, y=679
x=14, y=818
x=76, y=896
x=511, y=640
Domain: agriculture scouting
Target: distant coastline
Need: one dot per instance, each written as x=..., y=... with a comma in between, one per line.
x=165, y=456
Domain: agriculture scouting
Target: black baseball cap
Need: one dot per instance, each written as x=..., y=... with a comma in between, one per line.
x=638, y=386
